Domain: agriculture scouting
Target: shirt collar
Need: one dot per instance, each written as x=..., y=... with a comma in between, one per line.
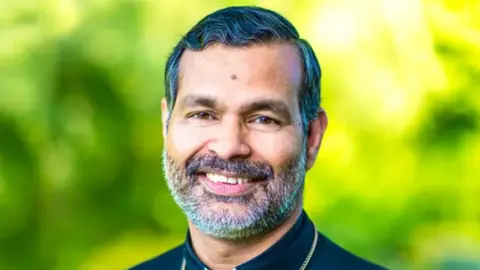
x=288, y=253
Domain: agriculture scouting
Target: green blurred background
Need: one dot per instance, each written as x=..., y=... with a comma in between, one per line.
x=81, y=185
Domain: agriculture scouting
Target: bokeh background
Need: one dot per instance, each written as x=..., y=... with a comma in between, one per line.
x=81, y=184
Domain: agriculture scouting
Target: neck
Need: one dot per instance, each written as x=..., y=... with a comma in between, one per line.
x=226, y=254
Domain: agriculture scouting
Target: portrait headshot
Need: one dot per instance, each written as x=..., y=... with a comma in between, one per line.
x=239, y=135
x=242, y=124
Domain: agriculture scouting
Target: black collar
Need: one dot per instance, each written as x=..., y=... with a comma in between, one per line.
x=288, y=253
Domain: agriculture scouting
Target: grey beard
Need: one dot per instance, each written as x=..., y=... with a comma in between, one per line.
x=258, y=212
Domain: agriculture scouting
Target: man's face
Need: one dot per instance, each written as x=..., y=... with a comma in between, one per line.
x=235, y=153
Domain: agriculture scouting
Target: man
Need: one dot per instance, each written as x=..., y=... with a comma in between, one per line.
x=242, y=125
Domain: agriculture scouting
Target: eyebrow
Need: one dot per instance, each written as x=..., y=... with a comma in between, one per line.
x=197, y=101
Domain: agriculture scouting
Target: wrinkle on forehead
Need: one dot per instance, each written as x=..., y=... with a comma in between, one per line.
x=272, y=65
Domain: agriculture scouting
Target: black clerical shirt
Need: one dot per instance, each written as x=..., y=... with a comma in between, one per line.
x=288, y=253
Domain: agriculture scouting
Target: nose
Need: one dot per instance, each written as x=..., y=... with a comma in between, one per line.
x=229, y=142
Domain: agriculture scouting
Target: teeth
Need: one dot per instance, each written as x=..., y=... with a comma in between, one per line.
x=224, y=179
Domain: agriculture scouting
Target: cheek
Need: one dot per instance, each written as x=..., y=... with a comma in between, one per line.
x=277, y=149
x=184, y=141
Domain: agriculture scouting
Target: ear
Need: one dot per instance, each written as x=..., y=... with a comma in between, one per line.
x=165, y=117
x=316, y=130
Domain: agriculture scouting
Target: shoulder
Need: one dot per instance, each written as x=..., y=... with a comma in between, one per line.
x=331, y=256
x=171, y=259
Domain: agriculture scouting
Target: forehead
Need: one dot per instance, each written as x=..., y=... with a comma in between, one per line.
x=272, y=70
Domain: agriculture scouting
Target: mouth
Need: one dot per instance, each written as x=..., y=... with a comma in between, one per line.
x=225, y=184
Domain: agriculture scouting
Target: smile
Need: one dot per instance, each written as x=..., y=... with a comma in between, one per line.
x=228, y=185
x=218, y=178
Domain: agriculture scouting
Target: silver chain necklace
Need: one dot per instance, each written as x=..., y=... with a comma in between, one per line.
x=305, y=263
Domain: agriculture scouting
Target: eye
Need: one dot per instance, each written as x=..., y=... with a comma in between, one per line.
x=262, y=122
x=202, y=116
x=265, y=120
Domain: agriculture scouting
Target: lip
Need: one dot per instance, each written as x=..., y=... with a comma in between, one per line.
x=226, y=189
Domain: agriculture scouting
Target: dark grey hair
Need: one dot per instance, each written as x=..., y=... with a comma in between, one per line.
x=244, y=26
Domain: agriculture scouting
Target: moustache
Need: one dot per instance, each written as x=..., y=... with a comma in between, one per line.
x=244, y=168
